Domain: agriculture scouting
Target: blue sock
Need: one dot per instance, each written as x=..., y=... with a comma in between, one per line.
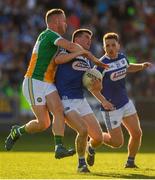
x=81, y=161
x=131, y=160
x=91, y=150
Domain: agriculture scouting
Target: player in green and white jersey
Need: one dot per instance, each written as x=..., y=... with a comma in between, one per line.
x=38, y=85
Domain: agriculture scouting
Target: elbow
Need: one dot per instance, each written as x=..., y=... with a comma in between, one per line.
x=58, y=61
x=73, y=47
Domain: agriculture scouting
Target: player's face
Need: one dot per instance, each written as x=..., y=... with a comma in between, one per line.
x=85, y=40
x=62, y=25
x=111, y=47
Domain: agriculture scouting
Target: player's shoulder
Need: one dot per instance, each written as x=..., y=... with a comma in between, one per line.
x=121, y=55
x=51, y=34
x=104, y=59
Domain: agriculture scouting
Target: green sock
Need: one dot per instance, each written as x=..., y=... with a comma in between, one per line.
x=58, y=140
x=22, y=130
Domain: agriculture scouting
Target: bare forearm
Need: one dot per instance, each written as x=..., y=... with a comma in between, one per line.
x=98, y=96
x=97, y=62
x=135, y=67
x=71, y=47
x=64, y=58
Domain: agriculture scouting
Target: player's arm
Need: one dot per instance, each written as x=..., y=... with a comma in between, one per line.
x=138, y=67
x=96, y=91
x=71, y=47
x=62, y=58
x=97, y=61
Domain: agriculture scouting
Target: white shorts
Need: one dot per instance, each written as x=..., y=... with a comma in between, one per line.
x=35, y=91
x=79, y=105
x=113, y=119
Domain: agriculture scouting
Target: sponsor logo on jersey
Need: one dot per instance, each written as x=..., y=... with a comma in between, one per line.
x=80, y=65
x=117, y=75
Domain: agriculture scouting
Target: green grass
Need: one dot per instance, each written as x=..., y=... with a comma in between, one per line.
x=33, y=157
x=42, y=165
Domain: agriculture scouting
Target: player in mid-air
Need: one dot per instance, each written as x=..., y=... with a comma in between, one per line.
x=79, y=115
x=114, y=91
x=38, y=86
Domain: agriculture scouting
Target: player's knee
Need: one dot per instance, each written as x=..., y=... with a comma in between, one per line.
x=98, y=139
x=43, y=126
x=118, y=143
x=137, y=134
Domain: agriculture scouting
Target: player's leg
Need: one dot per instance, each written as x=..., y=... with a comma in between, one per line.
x=114, y=136
x=75, y=121
x=37, y=101
x=95, y=134
x=132, y=124
x=55, y=106
x=39, y=124
x=94, y=130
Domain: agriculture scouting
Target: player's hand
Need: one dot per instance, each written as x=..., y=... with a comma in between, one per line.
x=105, y=66
x=108, y=106
x=146, y=65
x=83, y=52
x=96, y=61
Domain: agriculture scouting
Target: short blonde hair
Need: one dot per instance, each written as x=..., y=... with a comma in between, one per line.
x=111, y=35
x=52, y=12
x=79, y=32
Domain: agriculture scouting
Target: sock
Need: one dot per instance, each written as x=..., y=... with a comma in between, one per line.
x=131, y=160
x=58, y=140
x=22, y=130
x=91, y=150
x=82, y=161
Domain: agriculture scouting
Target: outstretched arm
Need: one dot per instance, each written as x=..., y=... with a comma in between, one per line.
x=138, y=67
x=96, y=91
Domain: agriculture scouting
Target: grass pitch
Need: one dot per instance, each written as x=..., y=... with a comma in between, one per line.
x=33, y=158
x=43, y=165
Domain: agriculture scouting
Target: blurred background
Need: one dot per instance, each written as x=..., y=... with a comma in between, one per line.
x=22, y=21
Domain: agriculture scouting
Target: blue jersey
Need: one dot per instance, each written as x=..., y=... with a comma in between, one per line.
x=114, y=89
x=68, y=77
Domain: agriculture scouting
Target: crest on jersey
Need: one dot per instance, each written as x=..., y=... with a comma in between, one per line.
x=39, y=99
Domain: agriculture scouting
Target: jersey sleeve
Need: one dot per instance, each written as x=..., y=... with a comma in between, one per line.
x=54, y=37
x=128, y=63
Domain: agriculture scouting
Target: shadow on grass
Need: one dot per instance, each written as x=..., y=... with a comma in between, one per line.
x=119, y=175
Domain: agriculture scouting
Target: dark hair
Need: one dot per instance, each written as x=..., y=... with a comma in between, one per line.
x=111, y=35
x=79, y=32
x=52, y=12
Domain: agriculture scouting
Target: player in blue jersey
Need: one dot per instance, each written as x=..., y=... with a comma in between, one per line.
x=114, y=91
x=79, y=115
